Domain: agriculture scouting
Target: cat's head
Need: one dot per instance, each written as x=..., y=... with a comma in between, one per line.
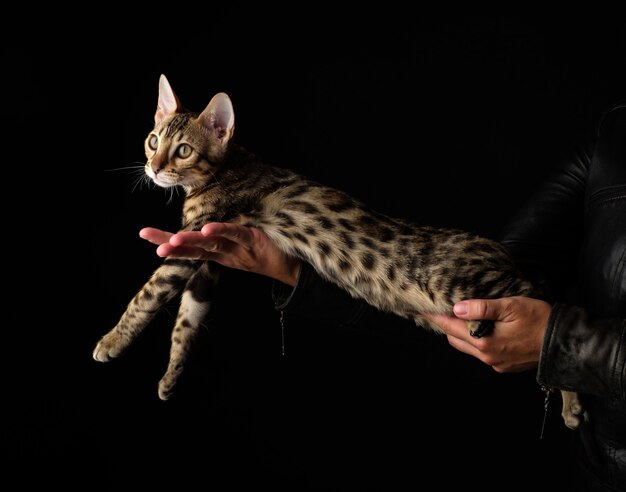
x=186, y=149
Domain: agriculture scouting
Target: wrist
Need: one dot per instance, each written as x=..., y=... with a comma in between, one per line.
x=289, y=272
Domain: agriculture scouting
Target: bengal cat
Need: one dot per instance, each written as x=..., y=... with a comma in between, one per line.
x=393, y=264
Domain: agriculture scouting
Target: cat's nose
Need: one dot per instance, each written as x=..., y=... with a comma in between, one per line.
x=156, y=165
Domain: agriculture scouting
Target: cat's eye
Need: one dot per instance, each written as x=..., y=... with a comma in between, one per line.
x=183, y=151
x=153, y=142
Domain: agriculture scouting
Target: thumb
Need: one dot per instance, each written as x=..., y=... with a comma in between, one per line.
x=477, y=309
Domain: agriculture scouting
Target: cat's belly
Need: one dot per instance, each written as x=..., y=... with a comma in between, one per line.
x=407, y=301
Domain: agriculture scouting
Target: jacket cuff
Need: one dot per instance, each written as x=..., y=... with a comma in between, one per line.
x=317, y=298
x=583, y=354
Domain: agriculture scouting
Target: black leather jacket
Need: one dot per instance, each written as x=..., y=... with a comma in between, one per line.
x=571, y=238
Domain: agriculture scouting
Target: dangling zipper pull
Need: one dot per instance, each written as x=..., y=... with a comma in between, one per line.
x=546, y=402
x=282, y=332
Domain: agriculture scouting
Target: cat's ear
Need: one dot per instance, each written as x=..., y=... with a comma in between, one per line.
x=168, y=101
x=218, y=117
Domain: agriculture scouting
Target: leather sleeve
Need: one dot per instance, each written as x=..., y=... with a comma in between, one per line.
x=583, y=354
x=316, y=298
x=546, y=234
x=581, y=351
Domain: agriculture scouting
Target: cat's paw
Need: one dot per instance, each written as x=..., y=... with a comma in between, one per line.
x=169, y=379
x=572, y=411
x=165, y=391
x=166, y=388
x=110, y=346
x=480, y=328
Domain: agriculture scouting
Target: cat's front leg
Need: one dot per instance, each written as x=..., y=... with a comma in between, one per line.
x=165, y=283
x=194, y=307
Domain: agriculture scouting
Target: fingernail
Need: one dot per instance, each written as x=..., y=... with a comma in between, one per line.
x=461, y=308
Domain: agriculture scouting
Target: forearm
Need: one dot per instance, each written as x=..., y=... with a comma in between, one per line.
x=583, y=354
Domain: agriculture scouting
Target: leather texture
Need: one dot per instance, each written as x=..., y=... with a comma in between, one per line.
x=571, y=239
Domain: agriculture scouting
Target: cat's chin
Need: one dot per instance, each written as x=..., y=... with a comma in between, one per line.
x=163, y=184
x=159, y=180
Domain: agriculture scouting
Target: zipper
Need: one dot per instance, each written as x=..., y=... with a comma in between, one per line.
x=609, y=194
x=546, y=401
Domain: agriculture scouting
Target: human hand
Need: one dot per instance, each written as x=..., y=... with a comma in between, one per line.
x=515, y=343
x=231, y=245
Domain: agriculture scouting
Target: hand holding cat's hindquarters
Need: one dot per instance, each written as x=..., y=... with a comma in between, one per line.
x=231, y=245
x=515, y=343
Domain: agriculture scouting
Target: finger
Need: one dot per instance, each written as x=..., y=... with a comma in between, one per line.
x=465, y=347
x=168, y=250
x=450, y=325
x=192, y=239
x=477, y=309
x=236, y=233
x=155, y=236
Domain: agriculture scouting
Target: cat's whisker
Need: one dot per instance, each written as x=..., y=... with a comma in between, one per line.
x=138, y=167
x=214, y=178
x=171, y=197
x=140, y=180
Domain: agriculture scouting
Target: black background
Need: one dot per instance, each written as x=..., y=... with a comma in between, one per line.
x=447, y=120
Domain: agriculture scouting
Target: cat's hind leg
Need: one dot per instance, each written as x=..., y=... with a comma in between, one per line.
x=480, y=328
